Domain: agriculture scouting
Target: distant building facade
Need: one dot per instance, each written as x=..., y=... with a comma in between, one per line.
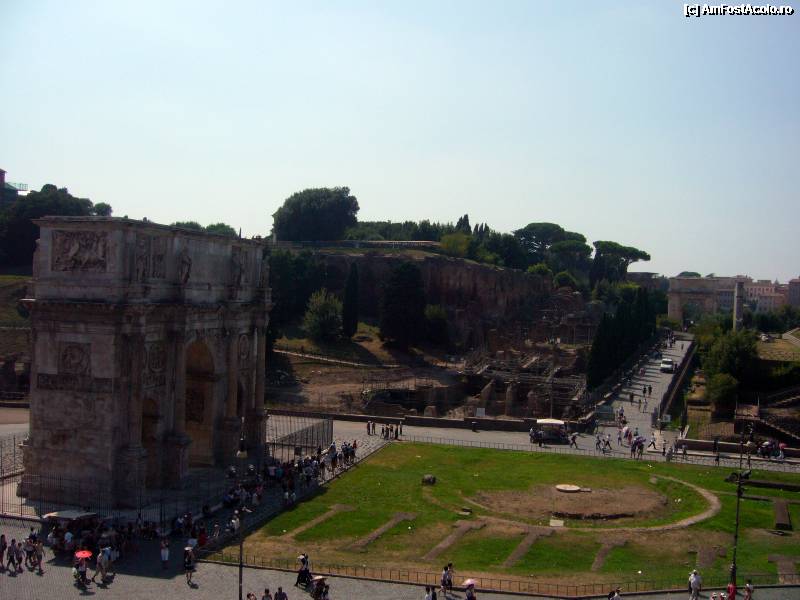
x=9, y=191
x=793, y=293
x=694, y=296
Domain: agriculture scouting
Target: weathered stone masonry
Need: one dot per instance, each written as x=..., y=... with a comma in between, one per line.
x=149, y=348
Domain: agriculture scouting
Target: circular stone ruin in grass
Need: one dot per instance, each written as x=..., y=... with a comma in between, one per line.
x=574, y=502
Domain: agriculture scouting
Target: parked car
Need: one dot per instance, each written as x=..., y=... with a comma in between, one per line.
x=667, y=365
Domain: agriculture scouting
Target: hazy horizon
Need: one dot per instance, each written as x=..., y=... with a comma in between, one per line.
x=624, y=121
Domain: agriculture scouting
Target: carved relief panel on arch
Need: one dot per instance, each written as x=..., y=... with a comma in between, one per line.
x=85, y=251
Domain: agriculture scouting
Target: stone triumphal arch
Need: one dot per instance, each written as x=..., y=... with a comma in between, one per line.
x=149, y=351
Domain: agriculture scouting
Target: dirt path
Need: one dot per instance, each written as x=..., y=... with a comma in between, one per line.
x=375, y=534
x=462, y=527
x=533, y=535
x=333, y=510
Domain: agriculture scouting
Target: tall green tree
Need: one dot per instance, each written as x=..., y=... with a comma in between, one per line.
x=611, y=261
x=536, y=239
x=316, y=214
x=323, y=318
x=102, y=209
x=292, y=278
x=221, y=229
x=733, y=353
x=350, y=304
x=18, y=232
x=402, y=308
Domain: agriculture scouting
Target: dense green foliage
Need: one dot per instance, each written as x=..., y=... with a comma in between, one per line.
x=565, y=279
x=547, y=244
x=721, y=391
x=733, y=353
x=779, y=321
x=350, y=303
x=619, y=335
x=436, y=324
x=222, y=229
x=18, y=233
x=188, y=225
x=316, y=214
x=219, y=228
x=402, y=309
x=541, y=269
x=611, y=261
x=293, y=278
x=323, y=318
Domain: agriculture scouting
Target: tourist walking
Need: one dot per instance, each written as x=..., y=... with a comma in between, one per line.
x=748, y=590
x=188, y=563
x=164, y=553
x=573, y=440
x=3, y=546
x=266, y=595
x=652, y=441
x=280, y=594
x=695, y=585
x=11, y=557
x=451, y=574
x=39, y=551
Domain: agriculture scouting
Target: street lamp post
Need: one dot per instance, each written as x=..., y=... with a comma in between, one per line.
x=241, y=455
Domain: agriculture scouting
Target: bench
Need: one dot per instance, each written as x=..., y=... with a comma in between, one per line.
x=783, y=521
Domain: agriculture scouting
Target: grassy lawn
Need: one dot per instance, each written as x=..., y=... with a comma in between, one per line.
x=778, y=350
x=390, y=482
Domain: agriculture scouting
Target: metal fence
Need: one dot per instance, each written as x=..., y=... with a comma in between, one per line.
x=499, y=584
x=726, y=460
x=289, y=435
x=11, y=455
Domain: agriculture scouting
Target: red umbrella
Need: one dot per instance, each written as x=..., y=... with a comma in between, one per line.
x=83, y=554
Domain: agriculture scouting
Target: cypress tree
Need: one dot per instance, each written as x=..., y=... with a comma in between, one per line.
x=350, y=305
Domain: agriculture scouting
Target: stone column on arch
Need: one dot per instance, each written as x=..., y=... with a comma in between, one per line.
x=179, y=395
x=130, y=460
x=233, y=375
x=176, y=458
x=255, y=413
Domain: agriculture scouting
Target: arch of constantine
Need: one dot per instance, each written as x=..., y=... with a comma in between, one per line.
x=149, y=352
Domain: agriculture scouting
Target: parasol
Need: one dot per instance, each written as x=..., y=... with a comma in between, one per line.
x=469, y=582
x=83, y=554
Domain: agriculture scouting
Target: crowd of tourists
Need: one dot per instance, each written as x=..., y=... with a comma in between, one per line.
x=388, y=431
x=18, y=555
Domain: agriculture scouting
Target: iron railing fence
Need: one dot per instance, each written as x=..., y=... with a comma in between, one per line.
x=725, y=459
x=11, y=455
x=499, y=584
x=287, y=436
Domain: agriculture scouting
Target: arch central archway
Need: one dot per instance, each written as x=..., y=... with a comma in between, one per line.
x=199, y=403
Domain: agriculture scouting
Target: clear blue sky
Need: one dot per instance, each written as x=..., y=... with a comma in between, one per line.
x=621, y=120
